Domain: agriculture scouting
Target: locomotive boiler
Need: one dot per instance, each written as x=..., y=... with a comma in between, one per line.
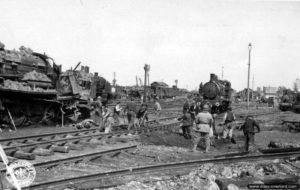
x=217, y=92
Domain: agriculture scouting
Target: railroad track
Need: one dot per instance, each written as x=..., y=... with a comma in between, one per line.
x=254, y=114
x=29, y=146
x=114, y=178
x=80, y=158
x=259, y=114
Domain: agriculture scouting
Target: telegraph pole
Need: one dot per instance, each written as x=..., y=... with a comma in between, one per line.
x=222, y=72
x=114, y=80
x=147, y=69
x=248, y=92
x=253, y=82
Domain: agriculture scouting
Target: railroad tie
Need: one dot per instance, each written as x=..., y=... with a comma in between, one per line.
x=95, y=141
x=85, y=142
x=62, y=149
x=73, y=146
x=42, y=152
x=24, y=155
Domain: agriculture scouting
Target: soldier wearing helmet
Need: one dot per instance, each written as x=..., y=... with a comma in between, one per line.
x=108, y=119
x=204, y=122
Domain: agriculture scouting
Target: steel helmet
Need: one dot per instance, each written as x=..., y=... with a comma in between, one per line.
x=206, y=107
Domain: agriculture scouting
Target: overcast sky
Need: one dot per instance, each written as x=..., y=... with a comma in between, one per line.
x=180, y=39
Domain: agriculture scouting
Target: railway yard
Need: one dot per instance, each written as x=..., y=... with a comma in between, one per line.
x=158, y=156
x=67, y=123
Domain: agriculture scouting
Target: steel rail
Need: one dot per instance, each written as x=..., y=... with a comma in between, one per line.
x=241, y=116
x=79, y=158
x=76, y=139
x=258, y=114
x=151, y=168
x=39, y=137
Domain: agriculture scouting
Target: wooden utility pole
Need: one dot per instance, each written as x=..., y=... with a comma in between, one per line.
x=114, y=80
x=252, y=86
x=248, y=92
x=222, y=72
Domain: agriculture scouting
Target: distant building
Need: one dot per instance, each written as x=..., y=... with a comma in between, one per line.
x=297, y=85
x=270, y=91
x=242, y=95
x=259, y=90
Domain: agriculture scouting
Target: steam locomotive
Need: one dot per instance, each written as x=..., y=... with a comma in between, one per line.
x=290, y=101
x=217, y=92
x=33, y=88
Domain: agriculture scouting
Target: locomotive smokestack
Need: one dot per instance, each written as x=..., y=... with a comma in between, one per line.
x=96, y=74
x=82, y=68
x=213, y=77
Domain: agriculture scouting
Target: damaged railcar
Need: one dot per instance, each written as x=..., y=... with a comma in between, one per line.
x=27, y=84
x=33, y=89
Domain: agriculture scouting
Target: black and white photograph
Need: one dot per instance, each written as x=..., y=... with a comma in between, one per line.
x=149, y=94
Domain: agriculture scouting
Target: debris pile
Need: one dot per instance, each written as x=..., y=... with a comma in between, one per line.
x=14, y=85
x=210, y=176
x=35, y=76
x=278, y=144
x=194, y=180
x=239, y=170
x=87, y=123
x=26, y=51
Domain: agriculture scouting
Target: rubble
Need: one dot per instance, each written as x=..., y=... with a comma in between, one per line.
x=194, y=180
x=26, y=51
x=14, y=85
x=9, y=84
x=35, y=76
x=278, y=144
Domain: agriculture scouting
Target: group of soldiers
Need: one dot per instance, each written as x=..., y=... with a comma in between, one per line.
x=106, y=118
x=198, y=123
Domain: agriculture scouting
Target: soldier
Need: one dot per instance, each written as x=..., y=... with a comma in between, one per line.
x=117, y=111
x=107, y=119
x=204, y=121
x=192, y=110
x=157, y=109
x=87, y=123
x=198, y=108
x=96, y=111
x=187, y=123
x=142, y=114
x=131, y=114
x=249, y=132
x=228, y=125
x=186, y=105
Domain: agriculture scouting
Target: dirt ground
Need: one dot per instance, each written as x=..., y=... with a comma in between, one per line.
x=168, y=146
